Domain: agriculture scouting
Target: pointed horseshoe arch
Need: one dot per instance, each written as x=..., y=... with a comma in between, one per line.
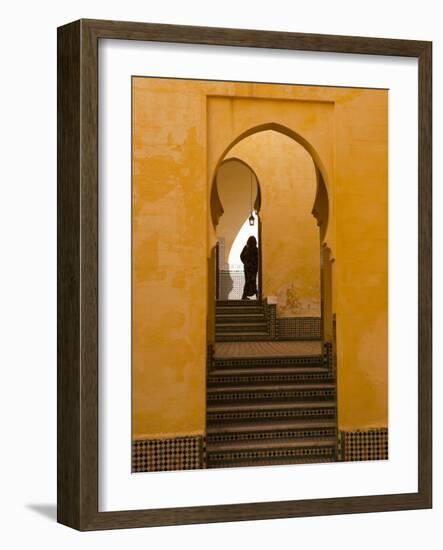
x=320, y=208
x=321, y=204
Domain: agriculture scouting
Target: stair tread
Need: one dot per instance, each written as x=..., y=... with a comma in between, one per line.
x=302, y=369
x=273, y=425
x=270, y=406
x=241, y=314
x=238, y=307
x=234, y=311
x=285, y=350
x=241, y=319
x=243, y=463
x=244, y=333
x=238, y=302
x=241, y=324
x=282, y=358
x=273, y=387
x=270, y=444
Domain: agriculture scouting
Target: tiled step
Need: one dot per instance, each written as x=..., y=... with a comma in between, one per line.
x=233, y=303
x=239, y=310
x=277, y=461
x=266, y=444
x=269, y=350
x=232, y=328
x=241, y=337
x=281, y=392
x=239, y=453
x=240, y=318
x=252, y=377
x=265, y=407
x=266, y=363
x=229, y=413
x=261, y=431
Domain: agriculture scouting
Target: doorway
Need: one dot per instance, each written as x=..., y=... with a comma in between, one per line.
x=238, y=192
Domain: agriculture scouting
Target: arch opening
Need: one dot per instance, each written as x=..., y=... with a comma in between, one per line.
x=238, y=192
x=295, y=302
x=322, y=177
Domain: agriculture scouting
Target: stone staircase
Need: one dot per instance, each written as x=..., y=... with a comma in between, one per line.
x=265, y=411
x=241, y=320
x=268, y=410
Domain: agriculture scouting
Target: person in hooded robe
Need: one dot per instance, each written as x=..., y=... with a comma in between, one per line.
x=249, y=257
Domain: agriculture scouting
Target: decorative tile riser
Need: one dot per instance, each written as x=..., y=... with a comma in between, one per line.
x=296, y=338
x=278, y=395
x=242, y=338
x=298, y=328
x=243, y=303
x=251, y=327
x=229, y=380
x=269, y=454
x=275, y=462
x=239, y=311
x=220, y=418
x=273, y=434
x=257, y=362
x=257, y=318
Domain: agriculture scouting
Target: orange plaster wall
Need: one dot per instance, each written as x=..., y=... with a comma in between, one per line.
x=182, y=130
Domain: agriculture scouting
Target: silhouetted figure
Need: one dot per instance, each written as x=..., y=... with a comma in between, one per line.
x=249, y=257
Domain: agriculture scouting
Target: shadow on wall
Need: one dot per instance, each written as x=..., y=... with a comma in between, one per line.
x=226, y=284
x=232, y=283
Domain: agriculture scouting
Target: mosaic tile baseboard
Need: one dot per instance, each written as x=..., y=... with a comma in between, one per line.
x=161, y=455
x=364, y=445
x=298, y=328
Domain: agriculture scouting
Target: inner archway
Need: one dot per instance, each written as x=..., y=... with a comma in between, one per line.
x=238, y=191
x=322, y=177
x=290, y=243
x=294, y=211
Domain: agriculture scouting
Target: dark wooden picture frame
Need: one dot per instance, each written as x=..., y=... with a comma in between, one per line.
x=77, y=174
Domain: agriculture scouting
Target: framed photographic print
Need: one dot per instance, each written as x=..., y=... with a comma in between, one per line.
x=244, y=275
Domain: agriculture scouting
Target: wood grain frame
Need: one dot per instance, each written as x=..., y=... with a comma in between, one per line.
x=77, y=317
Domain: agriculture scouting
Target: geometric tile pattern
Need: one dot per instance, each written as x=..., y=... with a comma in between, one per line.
x=271, y=316
x=315, y=453
x=325, y=412
x=209, y=357
x=268, y=401
x=267, y=350
x=280, y=395
x=282, y=434
x=298, y=328
x=328, y=357
x=271, y=378
x=161, y=455
x=364, y=445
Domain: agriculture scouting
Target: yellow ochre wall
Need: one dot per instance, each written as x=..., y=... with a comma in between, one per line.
x=182, y=130
x=169, y=261
x=290, y=236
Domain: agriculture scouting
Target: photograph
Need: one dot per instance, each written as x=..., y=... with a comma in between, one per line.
x=259, y=274
x=218, y=228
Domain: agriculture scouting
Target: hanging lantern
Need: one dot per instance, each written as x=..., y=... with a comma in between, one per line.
x=251, y=217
